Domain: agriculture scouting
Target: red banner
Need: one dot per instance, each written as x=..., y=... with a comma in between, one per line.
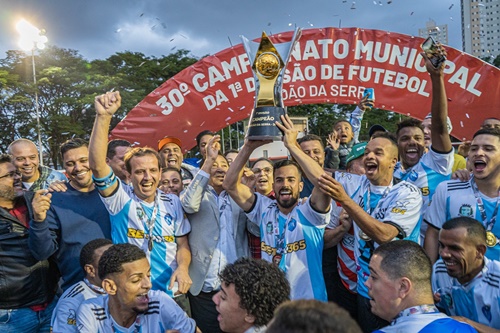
x=328, y=65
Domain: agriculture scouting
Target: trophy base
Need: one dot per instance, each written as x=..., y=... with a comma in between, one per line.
x=261, y=125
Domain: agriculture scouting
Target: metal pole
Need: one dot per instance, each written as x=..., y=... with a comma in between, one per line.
x=230, y=138
x=238, y=134
x=38, y=127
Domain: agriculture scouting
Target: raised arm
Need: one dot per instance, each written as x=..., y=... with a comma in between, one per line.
x=240, y=193
x=439, y=108
x=105, y=106
x=319, y=200
x=379, y=232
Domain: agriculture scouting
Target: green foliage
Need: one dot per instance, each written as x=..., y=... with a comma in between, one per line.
x=66, y=87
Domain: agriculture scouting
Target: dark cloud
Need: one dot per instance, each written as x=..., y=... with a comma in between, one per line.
x=98, y=29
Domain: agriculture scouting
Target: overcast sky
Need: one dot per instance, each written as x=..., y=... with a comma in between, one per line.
x=99, y=28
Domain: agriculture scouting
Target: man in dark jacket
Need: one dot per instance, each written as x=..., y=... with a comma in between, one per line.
x=27, y=285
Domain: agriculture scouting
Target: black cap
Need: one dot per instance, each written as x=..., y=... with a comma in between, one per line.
x=376, y=128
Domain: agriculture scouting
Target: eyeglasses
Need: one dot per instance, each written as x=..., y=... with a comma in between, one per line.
x=266, y=170
x=11, y=174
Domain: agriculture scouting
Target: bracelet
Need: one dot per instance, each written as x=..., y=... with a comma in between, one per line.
x=105, y=182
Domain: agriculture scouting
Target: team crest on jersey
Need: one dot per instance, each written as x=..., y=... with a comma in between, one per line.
x=71, y=320
x=269, y=227
x=140, y=213
x=168, y=219
x=292, y=225
x=413, y=176
x=465, y=210
x=487, y=312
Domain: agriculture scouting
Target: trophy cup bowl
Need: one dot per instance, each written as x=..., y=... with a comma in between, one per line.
x=268, y=65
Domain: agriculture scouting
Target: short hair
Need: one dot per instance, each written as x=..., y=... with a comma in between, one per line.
x=261, y=286
x=20, y=140
x=475, y=229
x=410, y=122
x=113, y=259
x=5, y=158
x=390, y=137
x=488, y=131
x=284, y=163
x=311, y=137
x=202, y=134
x=404, y=258
x=139, y=152
x=87, y=254
x=113, y=144
x=263, y=159
x=231, y=151
x=72, y=144
x=172, y=169
x=312, y=316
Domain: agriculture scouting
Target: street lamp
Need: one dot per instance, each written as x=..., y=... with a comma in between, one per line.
x=33, y=38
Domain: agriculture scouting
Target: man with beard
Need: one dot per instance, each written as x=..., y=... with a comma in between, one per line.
x=27, y=285
x=170, y=151
x=130, y=305
x=465, y=281
x=218, y=234
x=382, y=208
x=115, y=158
x=75, y=217
x=400, y=289
x=291, y=234
x=477, y=198
x=27, y=161
x=427, y=170
x=141, y=214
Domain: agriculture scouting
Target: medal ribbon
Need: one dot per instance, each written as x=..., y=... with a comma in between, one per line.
x=426, y=308
x=150, y=223
x=487, y=224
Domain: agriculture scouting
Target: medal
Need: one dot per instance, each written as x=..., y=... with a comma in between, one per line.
x=491, y=239
x=150, y=243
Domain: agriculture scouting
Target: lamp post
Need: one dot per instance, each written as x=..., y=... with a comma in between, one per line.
x=33, y=38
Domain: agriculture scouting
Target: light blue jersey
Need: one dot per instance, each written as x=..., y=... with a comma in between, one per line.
x=400, y=207
x=455, y=198
x=302, y=244
x=478, y=300
x=163, y=314
x=128, y=226
x=427, y=323
x=432, y=169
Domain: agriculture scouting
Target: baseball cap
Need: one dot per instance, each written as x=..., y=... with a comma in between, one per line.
x=448, y=122
x=356, y=152
x=169, y=139
x=376, y=128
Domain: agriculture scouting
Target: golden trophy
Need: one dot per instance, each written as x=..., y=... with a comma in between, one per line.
x=268, y=64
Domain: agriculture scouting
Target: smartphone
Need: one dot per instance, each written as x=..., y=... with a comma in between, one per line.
x=370, y=92
x=430, y=48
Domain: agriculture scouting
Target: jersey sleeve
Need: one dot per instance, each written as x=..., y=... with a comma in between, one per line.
x=115, y=202
x=334, y=216
x=435, y=214
x=181, y=223
x=85, y=320
x=404, y=208
x=255, y=214
x=314, y=217
x=355, y=121
x=64, y=316
x=442, y=163
x=349, y=181
x=173, y=317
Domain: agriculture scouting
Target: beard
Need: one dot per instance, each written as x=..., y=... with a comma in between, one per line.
x=9, y=193
x=289, y=203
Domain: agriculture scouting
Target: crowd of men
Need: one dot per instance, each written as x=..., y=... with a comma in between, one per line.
x=351, y=237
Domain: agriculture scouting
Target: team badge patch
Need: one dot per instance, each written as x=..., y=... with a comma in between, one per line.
x=465, y=210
